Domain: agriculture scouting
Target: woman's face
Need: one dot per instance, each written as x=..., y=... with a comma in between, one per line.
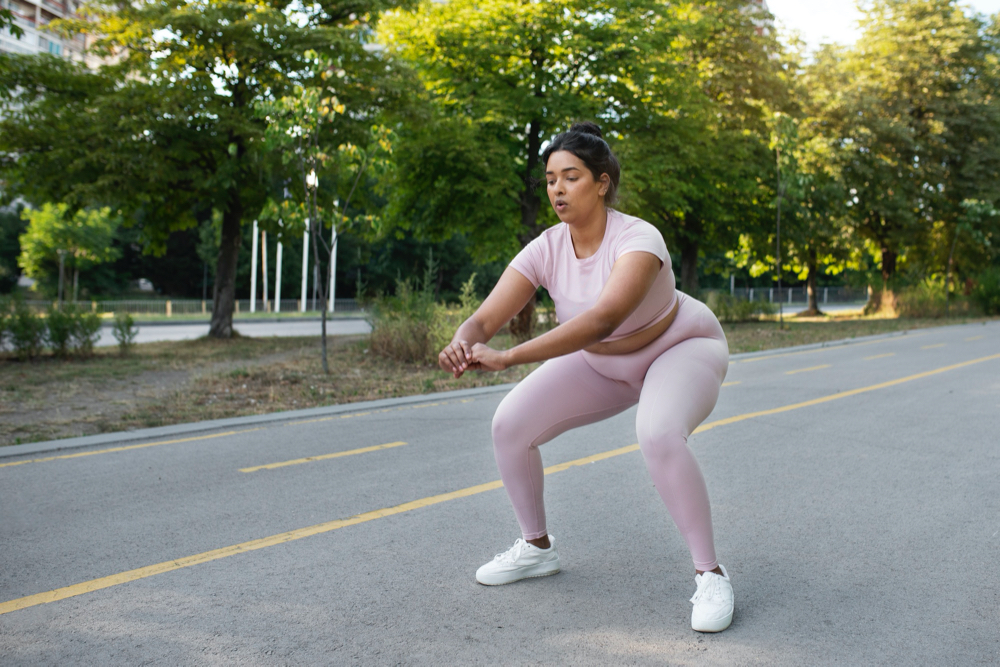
x=573, y=191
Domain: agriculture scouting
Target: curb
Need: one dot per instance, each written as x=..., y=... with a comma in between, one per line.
x=216, y=424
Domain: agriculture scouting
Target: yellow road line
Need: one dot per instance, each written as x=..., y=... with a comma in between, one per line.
x=323, y=457
x=273, y=540
x=931, y=347
x=880, y=356
x=828, y=348
x=806, y=370
x=730, y=384
x=126, y=448
x=842, y=394
x=298, y=534
x=969, y=340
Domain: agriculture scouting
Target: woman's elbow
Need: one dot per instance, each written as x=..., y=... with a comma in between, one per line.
x=605, y=324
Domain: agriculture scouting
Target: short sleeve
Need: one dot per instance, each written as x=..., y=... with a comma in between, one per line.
x=530, y=262
x=641, y=237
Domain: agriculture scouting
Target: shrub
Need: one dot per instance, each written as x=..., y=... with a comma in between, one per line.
x=986, y=292
x=27, y=331
x=401, y=324
x=60, y=324
x=929, y=299
x=447, y=318
x=86, y=332
x=925, y=299
x=125, y=332
x=730, y=309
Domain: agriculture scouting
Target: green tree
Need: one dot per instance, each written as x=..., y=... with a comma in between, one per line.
x=303, y=128
x=499, y=79
x=56, y=237
x=7, y=23
x=917, y=126
x=168, y=128
x=695, y=125
x=11, y=227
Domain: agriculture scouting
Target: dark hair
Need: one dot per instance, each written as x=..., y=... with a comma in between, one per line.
x=585, y=141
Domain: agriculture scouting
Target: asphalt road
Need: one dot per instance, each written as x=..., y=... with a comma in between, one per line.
x=854, y=490
x=150, y=333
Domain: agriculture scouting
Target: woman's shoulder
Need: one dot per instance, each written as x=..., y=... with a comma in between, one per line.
x=633, y=224
x=632, y=233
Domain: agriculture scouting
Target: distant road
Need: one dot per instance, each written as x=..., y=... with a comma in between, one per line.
x=151, y=333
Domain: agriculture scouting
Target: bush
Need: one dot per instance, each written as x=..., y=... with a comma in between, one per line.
x=86, y=332
x=60, y=323
x=929, y=299
x=125, y=332
x=27, y=331
x=986, y=292
x=410, y=327
x=401, y=324
x=446, y=319
x=730, y=309
x=925, y=299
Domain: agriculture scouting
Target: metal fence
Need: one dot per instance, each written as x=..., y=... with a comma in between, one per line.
x=191, y=307
x=799, y=294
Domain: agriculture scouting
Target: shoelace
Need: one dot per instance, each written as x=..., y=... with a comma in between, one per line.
x=511, y=554
x=709, y=589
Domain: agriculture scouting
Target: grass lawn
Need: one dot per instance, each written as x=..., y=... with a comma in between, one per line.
x=178, y=382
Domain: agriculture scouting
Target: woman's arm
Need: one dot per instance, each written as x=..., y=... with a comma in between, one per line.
x=631, y=278
x=506, y=300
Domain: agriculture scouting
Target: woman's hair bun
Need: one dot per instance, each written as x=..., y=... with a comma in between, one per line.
x=587, y=127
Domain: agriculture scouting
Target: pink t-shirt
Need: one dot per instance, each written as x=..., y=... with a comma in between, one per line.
x=575, y=284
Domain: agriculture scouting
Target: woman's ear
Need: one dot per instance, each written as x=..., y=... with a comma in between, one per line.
x=605, y=182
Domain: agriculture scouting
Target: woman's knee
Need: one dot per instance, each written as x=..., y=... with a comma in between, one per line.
x=509, y=425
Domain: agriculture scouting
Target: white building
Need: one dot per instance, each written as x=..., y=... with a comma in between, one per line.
x=30, y=16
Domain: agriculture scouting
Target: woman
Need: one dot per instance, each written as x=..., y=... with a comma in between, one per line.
x=625, y=336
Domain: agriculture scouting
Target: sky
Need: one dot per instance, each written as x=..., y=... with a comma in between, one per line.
x=822, y=21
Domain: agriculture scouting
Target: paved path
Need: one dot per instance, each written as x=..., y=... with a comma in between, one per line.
x=151, y=333
x=854, y=490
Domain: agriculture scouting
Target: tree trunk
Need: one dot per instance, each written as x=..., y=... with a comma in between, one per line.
x=522, y=327
x=883, y=301
x=689, y=266
x=812, y=309
x=224, y=291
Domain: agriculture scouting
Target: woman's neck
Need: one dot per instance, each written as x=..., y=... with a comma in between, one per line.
x=588, y=233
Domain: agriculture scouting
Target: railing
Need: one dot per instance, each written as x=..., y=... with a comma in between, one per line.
x=800, y=295
x=197, y=307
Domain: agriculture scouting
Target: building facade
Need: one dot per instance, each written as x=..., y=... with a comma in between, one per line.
x=31, y=16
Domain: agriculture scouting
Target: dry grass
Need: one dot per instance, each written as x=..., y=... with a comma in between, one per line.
x=179, y=382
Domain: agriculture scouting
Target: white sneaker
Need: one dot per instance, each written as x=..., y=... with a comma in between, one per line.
x=713, y=602
x=521, y=561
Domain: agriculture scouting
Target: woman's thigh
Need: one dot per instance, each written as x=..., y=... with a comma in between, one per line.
x=681, y=388
x=562, y=394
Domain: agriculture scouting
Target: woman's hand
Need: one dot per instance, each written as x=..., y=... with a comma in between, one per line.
x=489, y=359
x=456, y=358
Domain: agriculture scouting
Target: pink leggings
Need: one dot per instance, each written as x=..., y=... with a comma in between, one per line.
x=675, y=380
